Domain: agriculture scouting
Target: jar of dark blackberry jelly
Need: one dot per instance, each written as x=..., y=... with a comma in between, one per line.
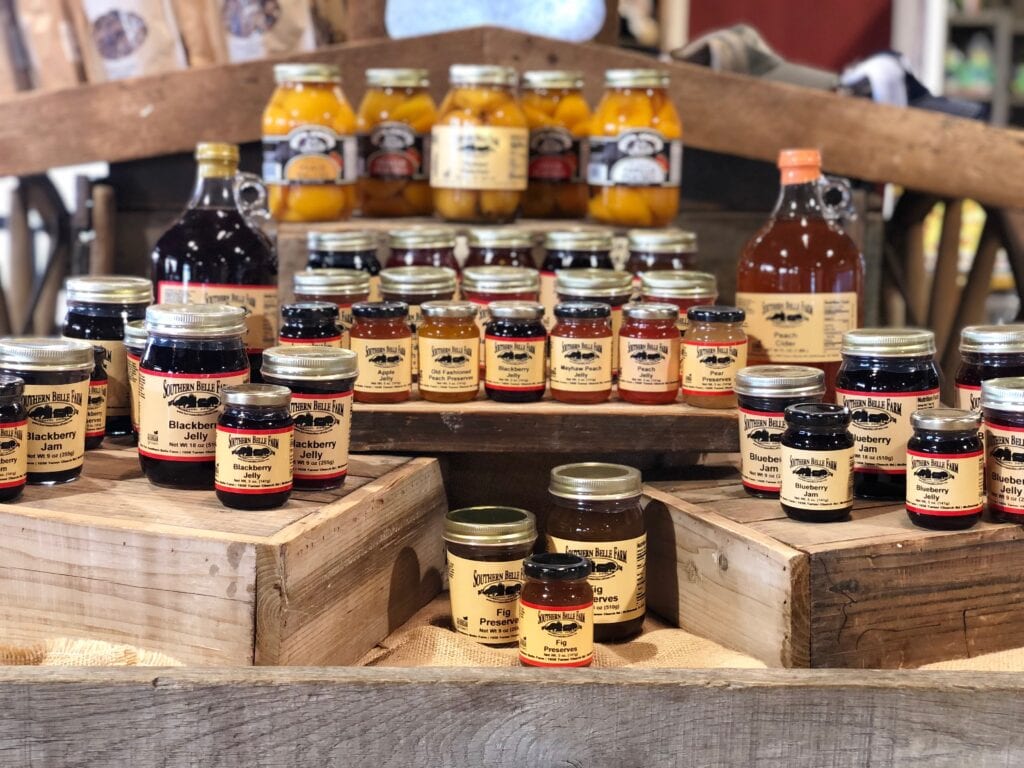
x=351, y=249
x=886, y=375
x=134, y=346
x=987, y=352
x=817, y=463
x=310, y=323
x=945, y=469
x=13, y=438
x=515, y=364
x=98, y=308
x=96, y=410
x=1002, y=407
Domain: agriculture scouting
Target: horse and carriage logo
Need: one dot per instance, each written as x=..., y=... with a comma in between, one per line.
x=764, y=437
x=500, y=591
x=195, y=403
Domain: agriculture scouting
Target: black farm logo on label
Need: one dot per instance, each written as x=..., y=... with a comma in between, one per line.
x=10, y=441
x=253, y=449
x=608, y=561
x=96, y=398
x=562, y=624
x=478, y=145
x=818, y=471
x=119, y=33
x=647, y=353
x=763, y=437
x=385, y=357
x=192, y=398
x=935, y=472
x=53, y=409
x=872, y=413
x=501, y=587
x=787, y=313
x=451, y=356
x=718, y=357
x=515, y=353
x=582, y=352
x=1008, y=456
x=314, y=418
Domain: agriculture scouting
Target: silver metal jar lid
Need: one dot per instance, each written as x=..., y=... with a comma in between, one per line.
x=595, y=481
x=662, y=240
x=452, y=309
x=490, y=526
x=993, y=339
x=650, y=310
x=311, y=72
x=346, y=241
x=578, y=240
x=782, y=381
x=888, y=342
x=398, y=77
x=135, y=334
x=39, y=353
x=481, y=74
x=499, y=237
x=678, y=284
x=332, y=282
x=302, y=363
x=109, y=289
x=500, y=279
x=416, y=280
x=1006, y=394
x=421, y=237
x=267, y=395
x=516, y=310
x=539, y=79
x=635, y=78
x=196, y=321
x=946, y=420
x=593, y=282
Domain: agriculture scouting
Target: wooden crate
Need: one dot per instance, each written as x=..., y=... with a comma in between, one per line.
x=318, y=581
x=873, y=592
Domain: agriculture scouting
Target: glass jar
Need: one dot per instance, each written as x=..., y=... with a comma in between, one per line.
x=478, y=146
x=1002, y=406
x=987, y=352
x=556, y=612
x=597, y=515
x=56, y=390
x=311, y=323
x=449, y=352
x=482, y=285
x=134, y=345
x=485, y=549
x=636, y=151
x=581, y=353
x=684, y=289
x=414, y=286
x=763, y=393
x=383, y=343
x=422, y=247
x=817, y=463
x=652, y=250
x=13, y=438
x=571, y=249
x=96, y=407
x=192, y=352
x=310, y=150
x=321, y=381
x=340, y=287
x=714, y=351
x=945, y=469
x=515, y=365
x=394, y=122
x=607, y=286
x=98, y=308
x=559, y=118
x=254, y=447
x=351, y=249
x=886, y=375
x=649, y=351
x=500, y=247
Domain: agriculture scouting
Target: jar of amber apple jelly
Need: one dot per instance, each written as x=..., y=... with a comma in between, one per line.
x=817, y=463
x=340, y=287
x=310, y=323
x=382, y=341
x=514, y=352
x=449, y=352
x=684, y=289
x=556, y=612
x=987, y=352
x=636, y=151
x=414, y=286
x=134, y=346
x=352, y=250
x=581, y=353
x=945, y=469
x=394, y=121
x=13, y=438
x=310, y=151
x=422, y=247
x=649, y=351
x=485, y=551
x=1002, y=406
x=571, y=249
x=482, y=285
x=500, y=247
x=660, y=249
x=607, y=286
x=714, y=351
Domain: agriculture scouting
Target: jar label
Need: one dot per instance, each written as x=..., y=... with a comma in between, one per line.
x=478, y=157
x=330, y=341
x=132, y=365
x=178, y=413
x=515, y=364
x=449, y=365
x=414, y=319
x=253, y=461
x=641, y=157
x=945, y=484
x=649, y=365
x=556, y=155
x=13, y=453
x=394, y=151
x=96, y=409
x=710, y=368
x=483, y=317
x=880, y=425
x=260, y=303
x=484, y=597
x=581, y=365
x=56, y=425
x=616, y=321
x=817, y=480
x=797, y=327
x=548, y=296
x=556, y=636
x=761, y=449
x=310, y=154
x=1004, y=468
x=323, y=424
x=968, y=397
x=115, y=363
x=619, y=577
x=384, y=365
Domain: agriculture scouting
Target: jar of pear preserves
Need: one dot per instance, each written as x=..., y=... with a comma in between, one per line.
x=714, y=351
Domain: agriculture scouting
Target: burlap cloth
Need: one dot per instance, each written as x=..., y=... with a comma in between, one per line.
x=77, y=652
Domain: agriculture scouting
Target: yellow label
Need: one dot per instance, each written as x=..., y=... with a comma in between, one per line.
x=581, y=365
x=132, y=365
x=449, y=365
x=13, y=453
x=619, y=577
x=710, y=368
x=56, y=425
x=946, y=485
x=517, y=365
x=115, y=363
x=616, y=319
x=817, y=480
x=253, y=460
x=484, y=597
x=178, y=413
x=548, y=296
x=880, y=426
x=649, y=365
x=260, y=303
x=1004, y=468
x=761, y=449
x=383, y=365
x=323, y=424
x=558, y=636
x=96, y=410
x=478, y=157
x=334, y=341
x=968, y=397
x=797, y=327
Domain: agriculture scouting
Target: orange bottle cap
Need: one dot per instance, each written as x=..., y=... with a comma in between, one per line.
x=799, y=165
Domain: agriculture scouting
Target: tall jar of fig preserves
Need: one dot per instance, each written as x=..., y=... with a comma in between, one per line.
x=500, y=247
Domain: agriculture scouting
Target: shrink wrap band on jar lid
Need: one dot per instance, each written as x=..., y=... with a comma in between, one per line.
x=490, y=526
x=195, y=320
x=516, y=310
x=578, y=240
x=451, y=309
x=499, y=237
x=135, y=334
x=595, y=481
x=888, y=342
x=109, y=289
x=500, y=279
x=417, y=280
x=309, y=363
x=341, y=242
x=650, y=310
x=421, y=237
x=481, y=74
x=678, y=284
x=1006, y=394
x=583, y=310
x=593, y=282
x=38, y=353
x=332, y=282
x=662, y=240
x=306, y=73
x=993, y=339
x=397, y=77
x=946, y=420
x=635, y=78
x=539, y=79
x=267, y=395
x=780, y=381
x=380, y=310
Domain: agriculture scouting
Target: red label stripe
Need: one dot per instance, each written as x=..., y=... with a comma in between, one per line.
x=168, y=457
x=325, y=396
x=756, y=487
x=869, y=470
x=11, y=424
x=538, y=340
x=253, y=491
x=275, y=431
x=580, y=663
x=919, y=393
x=1001, y=428
x=98, y=383
x=972, y=387
x=325, y=476
x=945, y=512
x=972, y=455
x=1008, y=510
x=101, y=433
x=557, y=608
x=505, y=388
x=14, y=483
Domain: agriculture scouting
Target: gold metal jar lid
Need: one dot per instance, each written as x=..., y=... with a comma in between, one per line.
x=670, y=240
x=1006, y=394
x=490, y=526
x=135, y=334
x=888, y=342
x=417, y=280
x=481, y=74
x=421, y=237
x=302, y=363
x=678, y=284
x=460, y=310
x=780, y=381
x=499, y=237
x=635, y=78
x=650, y=310
x=946, y=420
x=539, y=79
x=593, y=282
x=332, y=282
x=578, y=240
x=196, y=321
x=500, y=279
x=516, y=310
x=346, y=241
x=39, y=353
x=265, y=395
x=398, y=77
x=595, y=481
x=311, y=72
x=993, y=339
x=109, y=289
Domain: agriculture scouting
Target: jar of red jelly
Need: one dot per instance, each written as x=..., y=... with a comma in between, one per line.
x=382, y=341
x=987, y=352
x=571, y=249
x=500, y=247
x=422, y=247
x=581, y=353
x=605, y=285
x=649, y=351
x=684, y=289
x=660, y=249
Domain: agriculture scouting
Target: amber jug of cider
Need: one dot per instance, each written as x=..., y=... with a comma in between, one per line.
x=800, y=278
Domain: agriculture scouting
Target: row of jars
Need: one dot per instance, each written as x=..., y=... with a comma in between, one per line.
x=486, y=154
